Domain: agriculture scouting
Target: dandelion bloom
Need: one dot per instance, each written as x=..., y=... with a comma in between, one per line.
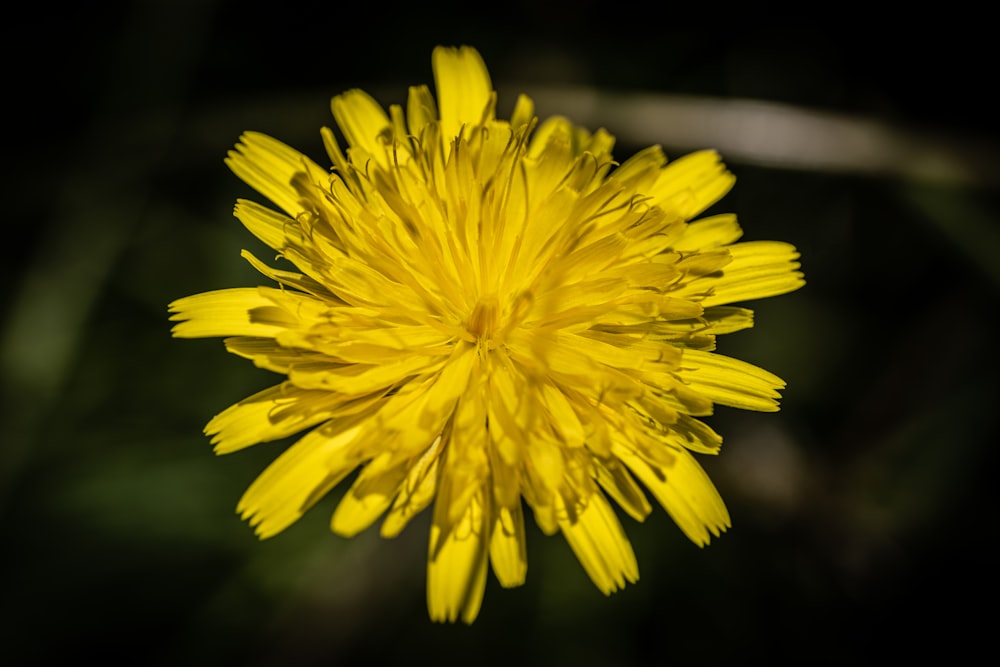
x=485, y=315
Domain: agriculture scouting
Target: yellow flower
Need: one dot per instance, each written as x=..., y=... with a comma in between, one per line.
x=487, y=315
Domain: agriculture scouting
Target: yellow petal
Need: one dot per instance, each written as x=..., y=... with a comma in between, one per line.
x=269, y=226
x=562, y=417
x=298, y=479
x=456, y=567
x=726, y=319
x=758, y=269
x=355, y=379
x=524, y=112
x=695, y=435
x=416, y=492
x=420, y=410
x=340, y=163
x=689, y=185
x=508, y=551
x=420, y=110
x=274, y=413
x=712, y=232
x=369, y=497
x=296, y=281
x=641, y=170
x=242, y=311
x=600, y=544
x=464, y=91
x=270, y=167
x=364, y=123
x=686, y=492
x=619, y=484
x=730, y=381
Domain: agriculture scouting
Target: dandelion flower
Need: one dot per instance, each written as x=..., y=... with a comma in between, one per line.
x=488, y=315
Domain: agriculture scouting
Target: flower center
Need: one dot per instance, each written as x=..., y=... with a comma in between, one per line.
x=483, y=320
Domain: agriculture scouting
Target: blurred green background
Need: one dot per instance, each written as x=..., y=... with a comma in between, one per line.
x=861, y=512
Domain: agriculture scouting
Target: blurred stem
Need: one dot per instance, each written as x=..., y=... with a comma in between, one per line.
x=777, y=135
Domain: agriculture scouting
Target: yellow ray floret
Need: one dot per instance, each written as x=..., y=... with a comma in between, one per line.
x=488, y=316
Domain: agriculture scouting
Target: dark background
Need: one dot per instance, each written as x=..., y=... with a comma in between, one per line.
x=862, y=512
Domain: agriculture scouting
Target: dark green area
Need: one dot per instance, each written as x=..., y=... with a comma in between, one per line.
x=862, y=511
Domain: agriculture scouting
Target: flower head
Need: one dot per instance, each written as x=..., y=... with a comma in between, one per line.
x=487, y=315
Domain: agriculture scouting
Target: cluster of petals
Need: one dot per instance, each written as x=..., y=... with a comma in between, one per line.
x=488, y=316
